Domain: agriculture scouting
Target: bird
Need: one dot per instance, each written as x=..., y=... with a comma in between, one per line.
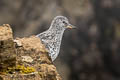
x=52, y=37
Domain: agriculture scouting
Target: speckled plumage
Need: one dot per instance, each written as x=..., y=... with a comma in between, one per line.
x=53, y=36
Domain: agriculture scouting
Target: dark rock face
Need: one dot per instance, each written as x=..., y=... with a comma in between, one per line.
x=7, y=48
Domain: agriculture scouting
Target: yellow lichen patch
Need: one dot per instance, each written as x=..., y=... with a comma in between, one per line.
x=25, y=70
x=9, y=70
x=18, y=69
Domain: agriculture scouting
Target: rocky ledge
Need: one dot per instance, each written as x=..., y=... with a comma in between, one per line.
x=24, y=58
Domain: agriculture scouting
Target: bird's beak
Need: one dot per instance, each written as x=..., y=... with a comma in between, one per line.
x=70, y=26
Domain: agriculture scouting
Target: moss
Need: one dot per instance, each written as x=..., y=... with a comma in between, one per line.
x=18, y=69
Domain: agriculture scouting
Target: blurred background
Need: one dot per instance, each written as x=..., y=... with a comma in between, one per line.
x=90, y=52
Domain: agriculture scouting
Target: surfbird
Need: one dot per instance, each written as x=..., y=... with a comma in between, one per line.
x=52, y=37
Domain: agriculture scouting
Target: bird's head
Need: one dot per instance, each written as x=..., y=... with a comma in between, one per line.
x=61, y=23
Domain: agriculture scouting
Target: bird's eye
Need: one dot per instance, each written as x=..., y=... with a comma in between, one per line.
x=64, y=22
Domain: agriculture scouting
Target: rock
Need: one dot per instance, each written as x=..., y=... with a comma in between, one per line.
x=30, y=58
x=7, y=48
